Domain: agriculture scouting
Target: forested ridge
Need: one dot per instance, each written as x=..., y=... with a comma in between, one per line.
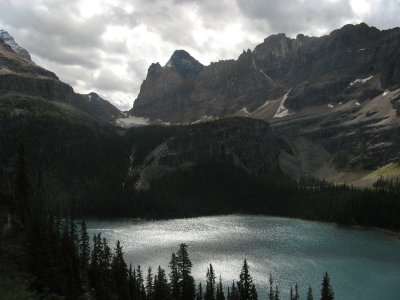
x=73, y=164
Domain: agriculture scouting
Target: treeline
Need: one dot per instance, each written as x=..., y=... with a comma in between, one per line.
x=73, y=164
x=213, y=189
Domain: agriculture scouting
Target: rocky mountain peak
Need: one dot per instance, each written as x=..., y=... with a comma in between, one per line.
x=9, y=40
x=183, y=63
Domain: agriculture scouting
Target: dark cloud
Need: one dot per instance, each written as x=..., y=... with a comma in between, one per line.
x=297, y=16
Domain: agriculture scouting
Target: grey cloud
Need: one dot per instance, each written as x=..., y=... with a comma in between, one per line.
x=108, y=80
x=386, y=14
x=295, y=16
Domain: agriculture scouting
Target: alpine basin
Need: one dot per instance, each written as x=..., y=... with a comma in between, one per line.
x=363, y=264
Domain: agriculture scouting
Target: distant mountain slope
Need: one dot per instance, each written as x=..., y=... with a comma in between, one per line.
x=19, y=76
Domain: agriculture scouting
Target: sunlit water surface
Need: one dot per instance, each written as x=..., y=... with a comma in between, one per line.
x=363, y=264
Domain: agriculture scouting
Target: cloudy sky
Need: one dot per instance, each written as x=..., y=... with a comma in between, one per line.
x=107, y=45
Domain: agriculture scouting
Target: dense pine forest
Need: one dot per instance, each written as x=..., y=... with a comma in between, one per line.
x=44, y=255
x=86, y=171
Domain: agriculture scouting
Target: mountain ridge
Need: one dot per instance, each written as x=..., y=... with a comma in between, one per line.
x=338, y=93
x=20, y=76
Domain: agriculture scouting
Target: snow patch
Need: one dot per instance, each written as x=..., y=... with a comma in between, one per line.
x=330, y=106
x=261, y=71
x=205, y=118
x=264, y=74
x=358, y=103
x=244, y=110
x=266, y=103
x=385, y=93
x=364, y=80
x=132, y=121
x=363, y=49
x=282, y=110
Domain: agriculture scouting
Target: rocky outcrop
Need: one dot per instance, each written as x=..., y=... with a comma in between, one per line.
x=247, y=144
x=9, y=40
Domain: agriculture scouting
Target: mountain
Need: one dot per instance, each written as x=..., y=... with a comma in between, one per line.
x=334, y=99
x=9, y=40
x=22, y=82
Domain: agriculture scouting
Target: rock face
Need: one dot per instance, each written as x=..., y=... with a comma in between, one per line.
x=9, y=40
x=336, y=93
x=184, y=64
x=20, y=76
x=244, y=143
x=318, y=70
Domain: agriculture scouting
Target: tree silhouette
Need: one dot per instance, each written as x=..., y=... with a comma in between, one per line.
x=326, y=291
x=210, y=284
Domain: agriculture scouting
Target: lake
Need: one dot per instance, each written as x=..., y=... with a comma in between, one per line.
x=362, y=264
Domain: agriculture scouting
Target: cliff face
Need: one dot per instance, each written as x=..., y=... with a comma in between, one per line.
x=317, y=70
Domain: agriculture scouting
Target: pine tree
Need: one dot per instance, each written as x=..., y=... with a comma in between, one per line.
x=276, y=294
x=199, y=294
x=22, y=187
x=174, y=278
x=234, y=292
x=140, y=292
x=310, y=294
x=120, y=273
x=96, y=273
x=74, y=254
x=271, y=288
x=210, y=284
x=326, y=291
x=254, y=295
x=161, y=288
x=84, y=248
x=187, y=285
x=132, y=282
x=296, y=292
x=149, y=284
x=245, y=283
x=220, y=291
x=105, y=266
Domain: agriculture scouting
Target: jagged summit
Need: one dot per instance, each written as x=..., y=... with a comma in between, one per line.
x=186, y=65
x=9, y=40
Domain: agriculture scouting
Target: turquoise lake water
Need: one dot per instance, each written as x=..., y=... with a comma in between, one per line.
x=363, y=264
